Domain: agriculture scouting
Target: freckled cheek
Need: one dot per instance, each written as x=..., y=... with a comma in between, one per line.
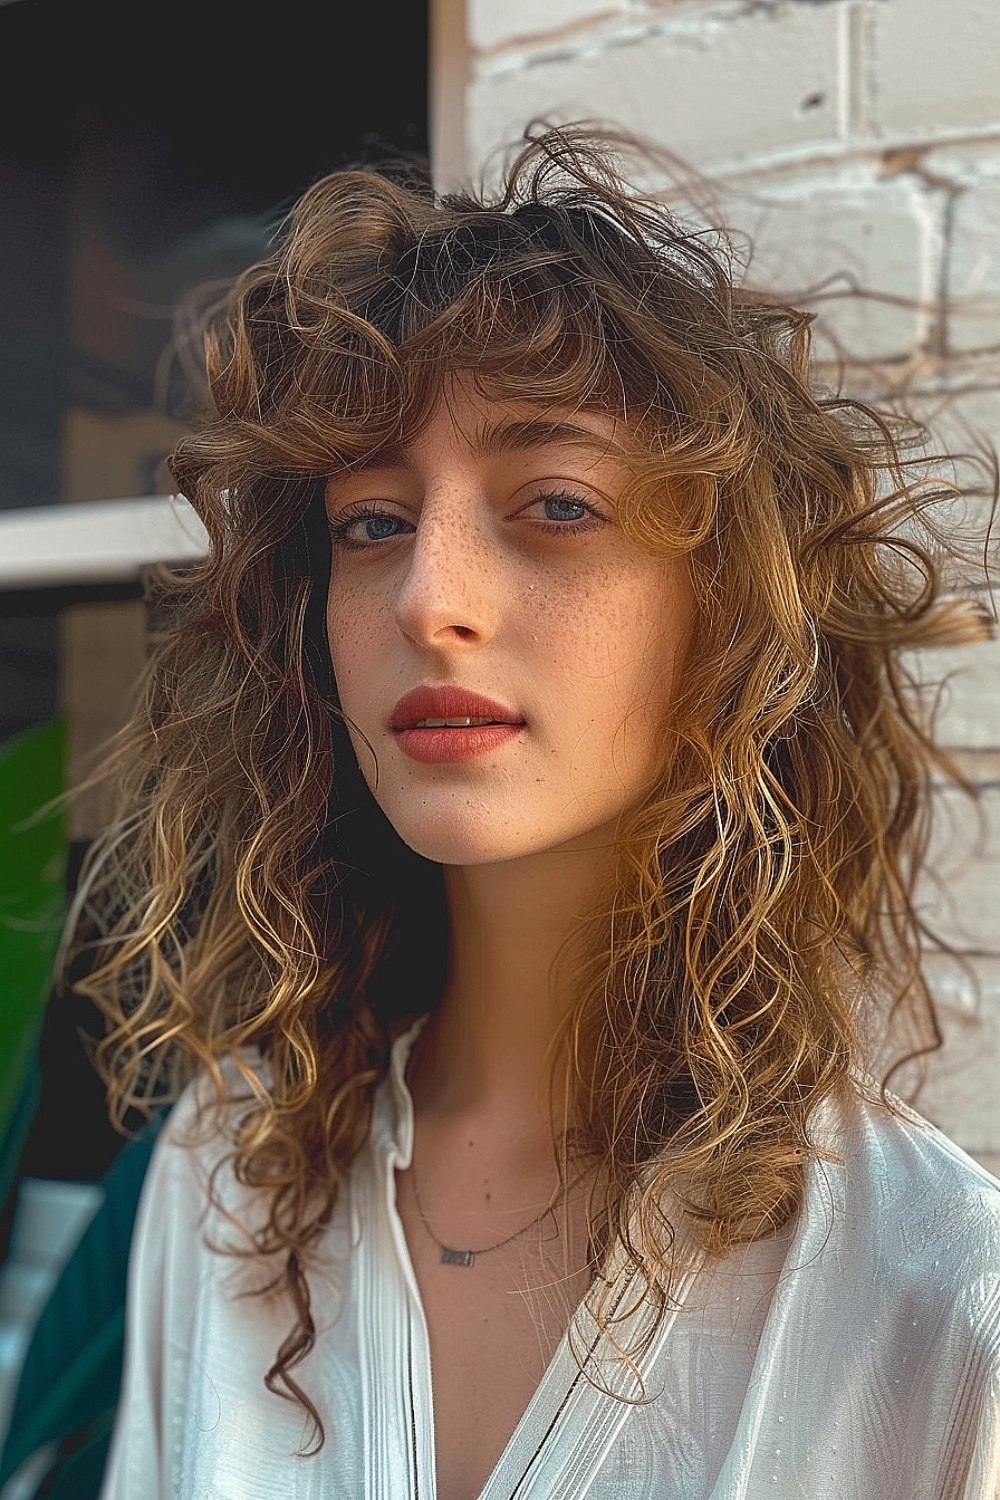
x=640, y=632
x=662, y=651
x=566, y=618
x=354, y=639
x=594, y=632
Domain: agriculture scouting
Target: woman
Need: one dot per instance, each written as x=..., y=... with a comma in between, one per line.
x=513, y=885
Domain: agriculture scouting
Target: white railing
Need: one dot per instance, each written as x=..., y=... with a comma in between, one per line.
x=105, y=541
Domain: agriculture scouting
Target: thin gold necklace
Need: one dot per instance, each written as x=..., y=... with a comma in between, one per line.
x=450, y=1256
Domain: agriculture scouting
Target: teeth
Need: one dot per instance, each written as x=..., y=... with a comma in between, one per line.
x=452, y=723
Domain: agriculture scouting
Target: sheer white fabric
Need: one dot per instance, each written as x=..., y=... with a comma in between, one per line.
x=856, y=1356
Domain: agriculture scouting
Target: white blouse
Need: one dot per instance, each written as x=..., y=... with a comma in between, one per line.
x=854, y=1356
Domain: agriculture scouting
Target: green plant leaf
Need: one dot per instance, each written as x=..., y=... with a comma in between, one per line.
x=32, y=901
x=72, y=1372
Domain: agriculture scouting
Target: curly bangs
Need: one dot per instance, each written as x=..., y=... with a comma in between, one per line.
x=568, y=290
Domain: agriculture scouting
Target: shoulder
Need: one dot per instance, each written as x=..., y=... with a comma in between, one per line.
x=191, y=1163
x=890, y=1194
x=882, y=1325
x=894, y=1160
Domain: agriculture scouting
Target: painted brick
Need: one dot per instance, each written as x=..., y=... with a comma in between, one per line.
x=935, y=65
x=725, y=89
x=963, y=163
x=956, y=420
x=969, y=717
x=851, y=231
x=492, y=24
x=974, y=268
x=960, y=1095
x=957, y=1091
x=959, y=423
x=965, y=984
x=957, y=896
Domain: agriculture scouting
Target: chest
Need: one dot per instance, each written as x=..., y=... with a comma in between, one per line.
x=492, y=1329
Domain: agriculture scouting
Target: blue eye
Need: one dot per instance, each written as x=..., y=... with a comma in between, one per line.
x=566, y=514
x=376, y=526
x=557, y=507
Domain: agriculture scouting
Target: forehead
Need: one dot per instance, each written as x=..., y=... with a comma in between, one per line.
x=495, y=428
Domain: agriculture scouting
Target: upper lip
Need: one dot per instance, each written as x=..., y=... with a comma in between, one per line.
x=448, y=701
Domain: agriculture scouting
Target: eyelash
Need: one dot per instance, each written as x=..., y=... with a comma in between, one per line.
x=339, y=529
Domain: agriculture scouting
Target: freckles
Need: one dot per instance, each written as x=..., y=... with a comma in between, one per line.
x=346, y=596
x=458, y=551
x=561, y=604
x=353, y=617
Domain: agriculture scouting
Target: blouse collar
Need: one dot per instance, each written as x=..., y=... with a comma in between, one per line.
x=392, y=1123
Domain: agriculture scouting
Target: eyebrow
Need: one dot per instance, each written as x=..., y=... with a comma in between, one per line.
x=535, y=432
x=495, y=439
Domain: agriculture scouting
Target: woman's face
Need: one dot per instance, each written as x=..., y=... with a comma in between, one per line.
x=486, y=556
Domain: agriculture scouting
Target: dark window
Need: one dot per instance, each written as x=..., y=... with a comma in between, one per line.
x=144, y=150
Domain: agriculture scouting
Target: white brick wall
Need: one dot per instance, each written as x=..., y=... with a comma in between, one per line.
x=969, y=708
x=958, y=897
x=708, y=87
x=857, y=140
x=860, y=231
x=974, y=265
x=933, y=66
x=493, y=25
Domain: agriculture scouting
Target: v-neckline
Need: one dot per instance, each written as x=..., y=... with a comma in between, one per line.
x=570, y=1423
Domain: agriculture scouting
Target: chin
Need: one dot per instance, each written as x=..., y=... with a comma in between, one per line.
x=457, y=841
x=480, y=834
x=459, y=827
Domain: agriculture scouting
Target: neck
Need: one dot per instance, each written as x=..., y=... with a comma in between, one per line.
x=489, y=1054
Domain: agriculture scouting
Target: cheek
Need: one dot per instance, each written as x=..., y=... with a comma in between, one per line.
x=645, y=658
x=575, y=619
x=352, y=636
x=620, y=636
x=670, y=617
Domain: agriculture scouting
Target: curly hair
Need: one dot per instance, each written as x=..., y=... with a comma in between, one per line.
x=250, y=892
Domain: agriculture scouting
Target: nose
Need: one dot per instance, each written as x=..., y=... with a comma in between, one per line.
x=451, y=588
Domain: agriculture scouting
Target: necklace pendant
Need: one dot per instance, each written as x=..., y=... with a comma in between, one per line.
x=451, y=1257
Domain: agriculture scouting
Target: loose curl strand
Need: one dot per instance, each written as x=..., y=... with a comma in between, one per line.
x=251, y=902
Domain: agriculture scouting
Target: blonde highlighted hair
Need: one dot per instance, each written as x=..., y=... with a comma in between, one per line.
x=251, y=893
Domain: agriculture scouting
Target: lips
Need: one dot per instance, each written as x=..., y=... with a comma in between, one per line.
x=416, y=725
x=448, y=702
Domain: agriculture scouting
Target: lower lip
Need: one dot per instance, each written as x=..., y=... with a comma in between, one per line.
x=436, y=746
